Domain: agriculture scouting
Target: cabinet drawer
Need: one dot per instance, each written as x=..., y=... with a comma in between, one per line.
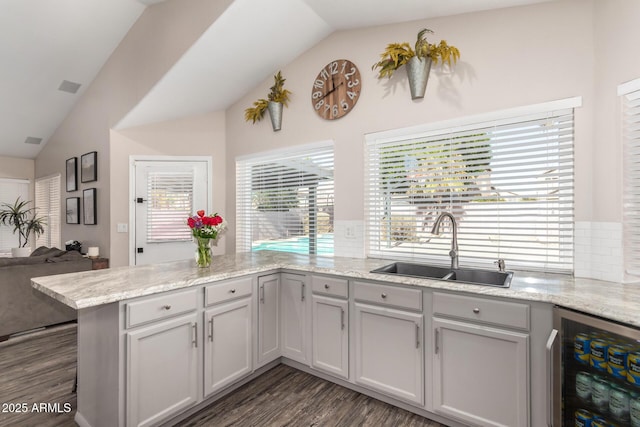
x=226, y=291
x=388, y=295
x=330, y=286
x=482, y=310
x=160, y=307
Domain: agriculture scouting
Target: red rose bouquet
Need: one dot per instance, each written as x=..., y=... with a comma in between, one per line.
x=204, y=228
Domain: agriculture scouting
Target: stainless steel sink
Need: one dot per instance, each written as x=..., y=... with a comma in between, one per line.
x=462, y=275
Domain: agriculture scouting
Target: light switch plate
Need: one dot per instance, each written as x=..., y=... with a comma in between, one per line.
x=123, y=227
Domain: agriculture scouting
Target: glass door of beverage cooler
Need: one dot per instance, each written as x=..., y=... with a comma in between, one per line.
x=596, y=372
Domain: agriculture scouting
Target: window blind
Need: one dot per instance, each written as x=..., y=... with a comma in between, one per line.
x=48, y=206
x=508, y=182
x=169, y=204
x=285, y=202
x=631, y=198
x=10, y=190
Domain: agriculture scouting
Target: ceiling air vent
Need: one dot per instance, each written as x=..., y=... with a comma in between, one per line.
x=67, y=86
x=33, y=140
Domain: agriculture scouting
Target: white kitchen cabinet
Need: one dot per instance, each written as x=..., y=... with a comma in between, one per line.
x=228, y=344
x=293, y=316
x=268, y=318
x=330, y=335
x=162, y=370
x=480, y=370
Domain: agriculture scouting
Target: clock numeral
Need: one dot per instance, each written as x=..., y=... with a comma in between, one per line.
x=319, y=104
x=351, y=95
x=344, y=104
x=335, y=110
x=344, y=65
x=317, y=95
x=327, y=107
x=319, y=84
x=356, y=82
x=333, y=67
x=324, y=74
x=350, y=73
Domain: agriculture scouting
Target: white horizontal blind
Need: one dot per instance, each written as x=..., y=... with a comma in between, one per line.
x=48, y=206
x=10, y=190
x=169, y=204
x=631, y=209
x=509, y=183
x=285, y=202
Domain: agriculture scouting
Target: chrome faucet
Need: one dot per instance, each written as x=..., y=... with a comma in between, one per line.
x=453, y=253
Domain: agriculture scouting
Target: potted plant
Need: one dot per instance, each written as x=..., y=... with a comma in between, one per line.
x=278, y=96
x=418, y=60
x=24, y=221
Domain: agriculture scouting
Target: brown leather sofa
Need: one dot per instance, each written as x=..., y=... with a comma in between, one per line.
x=22, y=308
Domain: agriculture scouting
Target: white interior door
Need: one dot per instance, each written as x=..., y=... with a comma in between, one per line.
x=167, y=192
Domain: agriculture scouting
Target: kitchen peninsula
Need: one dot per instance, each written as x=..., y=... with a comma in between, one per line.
x=160, y=341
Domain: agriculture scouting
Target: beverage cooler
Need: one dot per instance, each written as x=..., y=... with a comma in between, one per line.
x=595, y=380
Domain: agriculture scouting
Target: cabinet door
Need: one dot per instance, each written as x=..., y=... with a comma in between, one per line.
x=480, y=374
x=268, y=315
x=389, y=352
x=228, y=349
x=330, y=335
x=293, y=317
x=162, y=370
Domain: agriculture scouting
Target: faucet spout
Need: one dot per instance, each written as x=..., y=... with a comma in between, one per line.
x=453, y=253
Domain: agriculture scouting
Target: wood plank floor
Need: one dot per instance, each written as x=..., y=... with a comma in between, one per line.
x=40, y=368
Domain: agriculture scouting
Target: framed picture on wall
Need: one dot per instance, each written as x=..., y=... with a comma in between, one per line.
x=89, y=206
x=73, y=210
x=89, y=167
x=72, y=174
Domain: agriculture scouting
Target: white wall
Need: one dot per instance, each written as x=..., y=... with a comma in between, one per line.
x=194, y=136
x=510, y=57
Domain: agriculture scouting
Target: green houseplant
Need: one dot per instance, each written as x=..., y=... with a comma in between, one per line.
x=277, y=98
x=23, y=220
x=418, y=60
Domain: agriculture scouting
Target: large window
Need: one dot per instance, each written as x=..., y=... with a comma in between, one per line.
x=48, y=206
x=507, y=181
x=631, y=211
x=285, y=202
x=10, y=190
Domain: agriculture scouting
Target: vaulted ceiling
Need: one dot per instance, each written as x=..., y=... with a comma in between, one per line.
x=52, y=48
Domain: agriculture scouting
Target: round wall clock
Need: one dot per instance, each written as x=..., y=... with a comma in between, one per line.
x=336, y=89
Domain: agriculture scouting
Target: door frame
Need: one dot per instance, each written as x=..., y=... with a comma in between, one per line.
x=133, y=159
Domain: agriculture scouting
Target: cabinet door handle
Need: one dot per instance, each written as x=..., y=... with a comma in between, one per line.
x=437, y=336
x=417, y=336
x=262, y=294
x=302, y=293
x=550, y=343
x=194, y=328
x=211, y=329
x=342, y=318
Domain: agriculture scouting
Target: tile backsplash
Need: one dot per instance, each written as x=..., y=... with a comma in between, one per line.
x=598, y=251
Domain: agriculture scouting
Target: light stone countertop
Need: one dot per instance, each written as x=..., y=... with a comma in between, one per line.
x=85, y=289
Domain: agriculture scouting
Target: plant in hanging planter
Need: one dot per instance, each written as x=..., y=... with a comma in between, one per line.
x=23, y=220
x=277, y=98
x=418, y=60
x=205, y=228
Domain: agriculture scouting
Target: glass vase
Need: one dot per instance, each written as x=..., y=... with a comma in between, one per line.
x=203, y=252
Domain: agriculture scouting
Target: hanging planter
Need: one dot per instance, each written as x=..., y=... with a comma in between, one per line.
x=418, y=61
x=275, y=113
x=277, y=98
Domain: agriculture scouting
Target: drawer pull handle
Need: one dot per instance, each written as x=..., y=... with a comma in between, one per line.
x=476, y=310
x=326, y=286
x=383, y=295
x=233, y=291
x=166, y=307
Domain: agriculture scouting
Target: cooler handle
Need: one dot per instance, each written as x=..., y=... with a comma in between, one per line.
x=550, y=343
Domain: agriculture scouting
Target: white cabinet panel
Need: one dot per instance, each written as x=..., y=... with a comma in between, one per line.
x=228, y=344
x=481, y=374
x=389, y=352
x=268, y=315
x=293, y=316
x=162, y=370
x=330, y=335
